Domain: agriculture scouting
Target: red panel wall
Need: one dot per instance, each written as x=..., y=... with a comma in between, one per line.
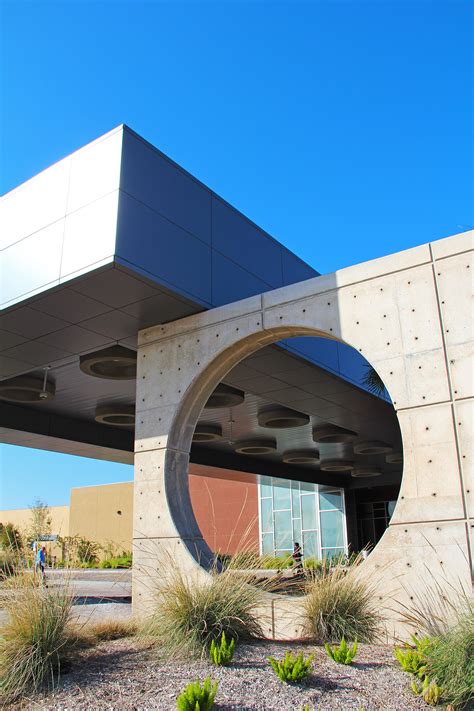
x=225, y=504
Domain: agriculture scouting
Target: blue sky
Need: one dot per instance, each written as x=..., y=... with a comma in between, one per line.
x=342, y=128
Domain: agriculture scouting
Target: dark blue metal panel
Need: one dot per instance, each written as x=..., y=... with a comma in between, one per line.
x=163, y=250
x=234, y=236
x=155, y=180
x=319, y=350
x=294, y=269
x=231, y=282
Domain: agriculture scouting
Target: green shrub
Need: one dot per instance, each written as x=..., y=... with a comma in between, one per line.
x=8, y=564
x=276, y=563
x=338, y=605
x=34, y=641
x=10, y=538
x=291, y=669
x=411, y=660
x=429, y=690
x=342, y=654
x=190, y=612
x=222, y=655
x=196, y=697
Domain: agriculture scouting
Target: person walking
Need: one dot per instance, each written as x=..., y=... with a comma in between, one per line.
x=297, y=556
x=40, y=562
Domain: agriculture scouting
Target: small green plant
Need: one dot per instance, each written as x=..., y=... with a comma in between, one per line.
x=222, y=654
x=291, y=669
x=411, y=660
x=196, y=697
x=429, y=691
x=342, y=654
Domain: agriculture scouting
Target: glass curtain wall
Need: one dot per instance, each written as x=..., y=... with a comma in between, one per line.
x=312, y=515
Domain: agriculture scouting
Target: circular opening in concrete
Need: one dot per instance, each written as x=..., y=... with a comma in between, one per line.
x=281, y=418
x=26, y=389
x=331, y=434
x=207, y=433
x=372, y=447
x=255, y=446
x=301, y=456
x=115, y=415
x=337, y=465
x=114, y=363
x=225, y=396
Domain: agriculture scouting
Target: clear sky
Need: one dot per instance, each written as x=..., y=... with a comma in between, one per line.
x=342, y=128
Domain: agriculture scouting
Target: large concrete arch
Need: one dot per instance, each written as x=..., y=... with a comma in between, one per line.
x=409, y=314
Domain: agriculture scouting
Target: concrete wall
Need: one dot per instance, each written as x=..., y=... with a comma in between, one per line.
x=410, y=314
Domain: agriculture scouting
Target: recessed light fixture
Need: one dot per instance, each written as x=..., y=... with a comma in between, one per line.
x=255, y=446
x=363, y=472
x=337, y=465
x=394, y=458
x=225, y=396
x=331, y=434
x=114, y=363
x=281, y=418
x=372, y=447
x=301, y=456
x=26, y=389
x=115, y=415
x=207, y=433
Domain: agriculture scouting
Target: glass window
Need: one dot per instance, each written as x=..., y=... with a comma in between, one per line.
x=297, y=530
x=310, y=545
x=266, y=489
x=295, y=500
x=281, y=497
x=391, y=508
x=308, y=510
x=332, y=529
x=267, y=520
x=267, y=543
x=330, y=500
x=332, y=552
x=283, y=529
x=310, y=488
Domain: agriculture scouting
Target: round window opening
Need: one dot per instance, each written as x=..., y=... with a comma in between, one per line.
x=303, y=469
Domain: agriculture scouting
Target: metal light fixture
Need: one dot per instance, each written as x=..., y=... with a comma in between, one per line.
x=255, y=446
x=27, y=389
x=394, y=458
x=301, y=456
x=331, y=434
x=364, y=472
x=225, y=396
x=337, y=465
x=115, y=415
x=281, y=418
x=114, y=363
x=207, y=432
x=372, y=447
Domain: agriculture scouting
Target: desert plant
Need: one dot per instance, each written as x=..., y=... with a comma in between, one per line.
x=372, y=381
x=339, y=604
x=222, y=654
x=10, y=538
x=411, y=660
x=40, y=521
x=8, y=563
x=34, y=641
x=190, y=612
x=196, y=697
x=429, y=690
x=291, y=668
x=342, y=654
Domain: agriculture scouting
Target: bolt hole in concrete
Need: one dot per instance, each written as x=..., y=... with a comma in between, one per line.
x=298, y=443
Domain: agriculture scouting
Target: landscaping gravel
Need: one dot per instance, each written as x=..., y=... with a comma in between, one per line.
x=126, y=675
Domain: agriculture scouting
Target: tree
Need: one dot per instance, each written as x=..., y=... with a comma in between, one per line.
x=40, y=525
x=10, y=538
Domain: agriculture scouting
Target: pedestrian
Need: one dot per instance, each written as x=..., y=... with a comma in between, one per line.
x=40, y=562
x=297, y=556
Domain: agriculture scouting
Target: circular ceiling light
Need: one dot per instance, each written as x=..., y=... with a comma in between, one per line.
x=115, y=415
x=114, y=363
x=330, y=434
x=337, y=465
x=27, y=388
x=301, y=456
x=372, y=447
x=225, y=396
x=394, y=458
x=281, y=418
x=363, y=472
x=207, y=433
x=255, y=446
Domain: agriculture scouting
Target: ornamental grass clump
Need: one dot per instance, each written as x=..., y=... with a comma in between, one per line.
x=339, y=604
x=196, y=697
x=191, y=611
x=35, y=641
x=291, y=669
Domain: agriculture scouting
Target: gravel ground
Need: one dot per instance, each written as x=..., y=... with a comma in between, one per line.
x=126, y=675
